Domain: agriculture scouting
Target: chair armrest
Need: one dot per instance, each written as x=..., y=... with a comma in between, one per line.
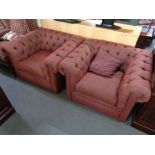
x=58, y=55
x=136, y=80
x=75, y=65
x=21, y=47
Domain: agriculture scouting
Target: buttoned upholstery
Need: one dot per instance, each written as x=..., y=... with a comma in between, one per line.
x=116, y=95
x=36, y=55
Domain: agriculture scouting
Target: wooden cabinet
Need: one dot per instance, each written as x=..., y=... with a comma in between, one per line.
x=6, y=109
x=145, y=120
x=127, y=34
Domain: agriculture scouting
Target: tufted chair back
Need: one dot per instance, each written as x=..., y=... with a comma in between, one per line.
x=123, y=52
x=51, y=40
x=81, y=57
x=37, y=40
x=23, y=46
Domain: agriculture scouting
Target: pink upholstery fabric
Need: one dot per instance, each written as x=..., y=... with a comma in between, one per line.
x=136, y=82
x=54, y=59
x=34, y=64
x=122, y=52
x=91, y=82
x=96, y=104
x=104, y=64
x=36, y=55
x=18, y=26
x=75, y=65
x=115, y=98
x=37, y=81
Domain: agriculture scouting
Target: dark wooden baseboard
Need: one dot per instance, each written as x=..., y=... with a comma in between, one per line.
x=7, y=65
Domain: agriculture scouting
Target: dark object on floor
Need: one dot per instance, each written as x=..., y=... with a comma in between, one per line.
x=72, y=21
x=7, y=66
x=6, y=109
x=145, y=120
x=5, y=61
x=136, y=110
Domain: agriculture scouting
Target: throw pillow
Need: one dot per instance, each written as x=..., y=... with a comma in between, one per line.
x=104, y=64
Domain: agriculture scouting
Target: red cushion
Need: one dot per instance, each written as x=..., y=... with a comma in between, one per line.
x=99, y=87
x=34, y=63
x=104, y=64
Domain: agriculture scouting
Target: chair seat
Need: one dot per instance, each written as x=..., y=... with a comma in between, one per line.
x=99, y=87
x=34, y=63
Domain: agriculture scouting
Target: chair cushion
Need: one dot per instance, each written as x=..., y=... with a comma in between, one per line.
x=104, y=64
x=34, y=63
x=99, y=87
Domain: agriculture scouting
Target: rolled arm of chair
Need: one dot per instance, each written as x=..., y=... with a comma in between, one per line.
x=57, y=56
x=20, y=48
x=137, y=80
x=75, y=65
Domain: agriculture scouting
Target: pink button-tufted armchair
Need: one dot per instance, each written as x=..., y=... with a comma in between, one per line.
x=36, y=55
x=115, y=95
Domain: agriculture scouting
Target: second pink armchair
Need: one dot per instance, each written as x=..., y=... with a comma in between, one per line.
x=115, y=95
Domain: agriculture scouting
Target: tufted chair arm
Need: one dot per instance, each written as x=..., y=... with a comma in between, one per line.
x=75, y=65
x=21, y=47
x=136, y=82
x=57, y=56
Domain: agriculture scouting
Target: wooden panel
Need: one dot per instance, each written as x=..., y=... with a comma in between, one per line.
x=127, y=34
x=145, y=120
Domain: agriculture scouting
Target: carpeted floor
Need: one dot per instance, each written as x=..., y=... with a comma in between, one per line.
x=38, y=111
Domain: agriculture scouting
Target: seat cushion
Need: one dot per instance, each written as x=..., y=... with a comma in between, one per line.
x=99, y=87
x=34, y=63
x=104, y=64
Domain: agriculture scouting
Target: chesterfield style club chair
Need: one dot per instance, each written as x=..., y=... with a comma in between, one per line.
x=114, y=95
x=36, y=55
